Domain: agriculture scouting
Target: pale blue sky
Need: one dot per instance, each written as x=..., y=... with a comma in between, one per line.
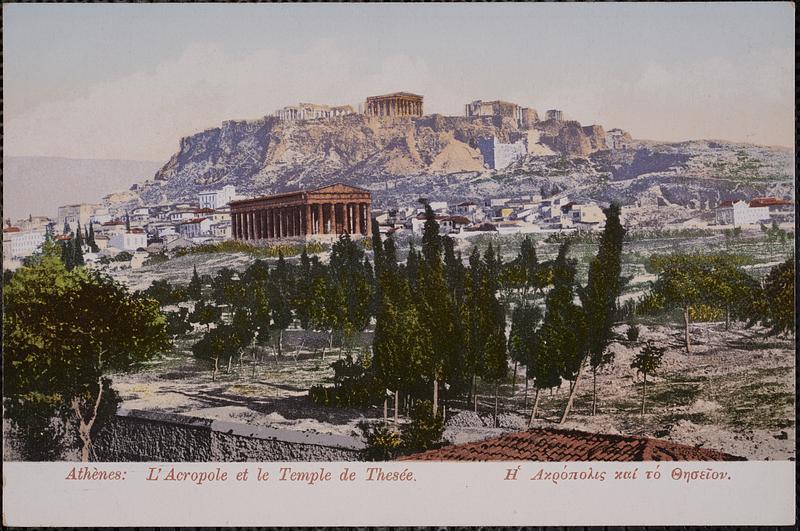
x=127, y=81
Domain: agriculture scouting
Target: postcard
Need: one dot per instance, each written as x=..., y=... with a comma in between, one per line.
x=407, y=264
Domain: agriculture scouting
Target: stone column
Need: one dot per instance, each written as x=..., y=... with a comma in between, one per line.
x=334, y=220
x=234, y=226
x=259, y=232
x=368, y=209
x=309, y=228
x=346, y=216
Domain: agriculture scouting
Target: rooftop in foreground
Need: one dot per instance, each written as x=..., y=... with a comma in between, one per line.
x=546, y=444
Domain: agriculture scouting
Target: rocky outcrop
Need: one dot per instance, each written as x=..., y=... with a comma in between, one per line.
x=401, y=159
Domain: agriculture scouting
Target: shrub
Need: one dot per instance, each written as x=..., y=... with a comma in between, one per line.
x=383, y=443
x=424, y=432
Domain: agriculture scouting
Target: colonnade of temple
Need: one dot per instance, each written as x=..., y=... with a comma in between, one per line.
x=302, y=221
x=393, y=106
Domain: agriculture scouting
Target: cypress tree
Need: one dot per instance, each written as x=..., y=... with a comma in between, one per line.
x=435, y=306
x=599, y=298
x=91, y=242
x=195, y=289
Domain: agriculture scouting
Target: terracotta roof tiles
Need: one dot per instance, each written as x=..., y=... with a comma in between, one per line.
x=545, y=444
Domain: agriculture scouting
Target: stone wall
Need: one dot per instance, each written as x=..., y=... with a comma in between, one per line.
x=151, y=436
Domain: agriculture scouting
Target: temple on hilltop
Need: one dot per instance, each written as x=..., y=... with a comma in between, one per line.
x=322, y=214
x=395, y=104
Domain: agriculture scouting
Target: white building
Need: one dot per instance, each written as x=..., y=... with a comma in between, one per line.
x=214, y=199
x=73, y=214
x=140, y=214
x=194, y=228
x=128, y=240
x=221, y=230
x=551, y=208
x=740, y=213
x=20, y=244
x=181, y=214
x=498, y=155
x=589, y=214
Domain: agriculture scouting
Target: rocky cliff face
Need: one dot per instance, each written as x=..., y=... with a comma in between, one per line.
x=401, y=159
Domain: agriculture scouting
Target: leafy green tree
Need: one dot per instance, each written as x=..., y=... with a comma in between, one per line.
x=599, y=298
x=776, y=306
x=280, y=289
x=684, y=281
x=525, y=320
x=562, y=340
x=164, y=292
x=216, y=343
x=647, y=361
x=401, y=344
x=195, y=289
x=732, y=290
x=349, y=288
x=205, y=313
x=178, y=322
x=65, y=331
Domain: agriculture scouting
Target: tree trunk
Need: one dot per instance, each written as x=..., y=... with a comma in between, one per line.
x=472, y=386
x=396, y=405
x=514, y=380
x=728, y=317
x=435, y=397
x=280, y=342
x=525, y=404
x=686, y=330
x=535, y=407
x=85, y=427
x=228, y=370
x=644, y=392
x=385, y=410
x=216, y=370
x=572, y=388
x=496, y=392
x=594, y=391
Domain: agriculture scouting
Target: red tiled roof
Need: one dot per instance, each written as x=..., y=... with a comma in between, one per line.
x=768, y=201
x=11, y=229
x=545, y=444
x=726, y=203
x=455, y=219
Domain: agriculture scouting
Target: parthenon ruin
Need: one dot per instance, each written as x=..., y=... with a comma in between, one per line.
x=395, y=104
x=321, y=214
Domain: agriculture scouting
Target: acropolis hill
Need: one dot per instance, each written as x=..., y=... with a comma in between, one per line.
x=408, y=156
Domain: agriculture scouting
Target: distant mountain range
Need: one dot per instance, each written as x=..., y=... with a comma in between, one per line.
x=39, y=185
